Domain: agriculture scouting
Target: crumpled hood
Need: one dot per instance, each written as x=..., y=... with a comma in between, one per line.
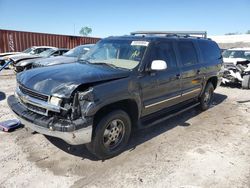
x=8, y=53
x=56, y=60
x=62, y=80
x=6, y=57
x=233, y=60
x=28, y=61
x=21, y=56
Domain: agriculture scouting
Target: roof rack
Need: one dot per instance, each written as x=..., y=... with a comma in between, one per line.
x=202, y=34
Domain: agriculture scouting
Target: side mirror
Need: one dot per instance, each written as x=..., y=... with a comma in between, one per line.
x=159, y=65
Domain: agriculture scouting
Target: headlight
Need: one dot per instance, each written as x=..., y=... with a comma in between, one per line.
x=55, y=101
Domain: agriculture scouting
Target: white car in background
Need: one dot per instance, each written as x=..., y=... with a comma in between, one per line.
x=29, y=53
x=237, y=66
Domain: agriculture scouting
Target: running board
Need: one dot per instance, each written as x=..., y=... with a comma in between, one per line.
x=141, y=125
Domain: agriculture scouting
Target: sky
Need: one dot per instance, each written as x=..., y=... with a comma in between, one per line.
x=114, y=17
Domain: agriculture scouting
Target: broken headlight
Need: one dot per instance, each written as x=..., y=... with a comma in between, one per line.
x=55, y=101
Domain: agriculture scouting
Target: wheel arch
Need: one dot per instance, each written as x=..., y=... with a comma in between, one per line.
x=130, y=106
x=213, y=80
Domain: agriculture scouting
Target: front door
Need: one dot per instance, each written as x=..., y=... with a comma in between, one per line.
x=161, y=89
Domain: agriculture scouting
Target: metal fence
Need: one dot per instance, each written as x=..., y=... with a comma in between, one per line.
x=17, y=41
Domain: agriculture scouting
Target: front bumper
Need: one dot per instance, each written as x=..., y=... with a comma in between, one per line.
x=73, y=132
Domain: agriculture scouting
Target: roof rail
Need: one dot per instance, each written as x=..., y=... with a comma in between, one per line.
x=202, y=34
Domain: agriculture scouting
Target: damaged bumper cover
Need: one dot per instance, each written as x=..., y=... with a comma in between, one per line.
x=73, y=132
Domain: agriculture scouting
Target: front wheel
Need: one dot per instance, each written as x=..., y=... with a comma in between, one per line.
x=207, y=96
x=111, y=135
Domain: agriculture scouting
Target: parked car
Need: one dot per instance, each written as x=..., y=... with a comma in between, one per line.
x=123, y=83
x=29, y=53
x=70, y=57
x=27, y=64
x=237, y=66
x=2, y=55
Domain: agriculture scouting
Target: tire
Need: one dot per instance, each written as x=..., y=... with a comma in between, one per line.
x=246, y=82
x=207, y=97
x=111, y=135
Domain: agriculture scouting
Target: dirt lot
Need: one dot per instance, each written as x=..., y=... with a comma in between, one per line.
x=208, y=149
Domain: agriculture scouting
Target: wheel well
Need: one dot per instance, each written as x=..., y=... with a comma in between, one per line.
x=214, y=81
x=128, y=105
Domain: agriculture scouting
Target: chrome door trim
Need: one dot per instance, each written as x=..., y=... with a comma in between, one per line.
x=160, y=102
x=189, y=92
x=172, y=98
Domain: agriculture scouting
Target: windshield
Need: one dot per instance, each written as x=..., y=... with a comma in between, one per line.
x=236, y=54
x=47, y=53
x=75, y=52
x=118, y=53
x=28, y=50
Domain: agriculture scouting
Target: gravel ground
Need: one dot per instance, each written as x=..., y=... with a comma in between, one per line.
x=194, y=149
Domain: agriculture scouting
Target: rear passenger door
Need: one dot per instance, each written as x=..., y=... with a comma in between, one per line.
x=161, y=89
x=191, y=78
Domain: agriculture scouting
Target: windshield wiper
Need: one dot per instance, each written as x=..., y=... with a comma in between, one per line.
x=101, y=63
x=107, y=64
x=84, y=61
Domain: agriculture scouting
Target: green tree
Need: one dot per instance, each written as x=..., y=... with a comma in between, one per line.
x=85, y=31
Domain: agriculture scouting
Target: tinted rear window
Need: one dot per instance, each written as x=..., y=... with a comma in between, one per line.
x=187, y=53
x=209, y=51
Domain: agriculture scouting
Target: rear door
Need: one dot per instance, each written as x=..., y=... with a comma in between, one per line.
x=191, y=77
x=161, y=89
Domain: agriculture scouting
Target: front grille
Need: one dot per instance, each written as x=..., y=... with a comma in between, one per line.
x=36, y=109
x=33, y=94
x=229, y=65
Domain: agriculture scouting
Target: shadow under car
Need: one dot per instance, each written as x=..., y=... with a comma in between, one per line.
x=139, y=136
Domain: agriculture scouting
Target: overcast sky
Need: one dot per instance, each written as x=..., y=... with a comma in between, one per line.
x=114, y=17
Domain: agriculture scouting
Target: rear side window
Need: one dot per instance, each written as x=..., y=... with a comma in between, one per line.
x=40, y=50
x=164, y=51
x=187, y=53
x=209, y=51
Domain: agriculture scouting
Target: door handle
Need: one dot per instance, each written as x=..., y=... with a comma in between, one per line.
x=178, y=76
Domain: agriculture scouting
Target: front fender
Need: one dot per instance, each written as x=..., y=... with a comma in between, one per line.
x=23, y=63
x=112, y=92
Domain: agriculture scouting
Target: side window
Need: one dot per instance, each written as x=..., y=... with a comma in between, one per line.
x=57, y=53
x=187, y=53
x=164, y=51
x=63, y=52
x=209, y=50
x=40, y=50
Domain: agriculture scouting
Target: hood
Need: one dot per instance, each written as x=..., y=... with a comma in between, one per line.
x=8, y=53
x=6, y=57
x=56, y=60
x=28, y=61
x=22, y=56
x=233, y=60
x=62, y=80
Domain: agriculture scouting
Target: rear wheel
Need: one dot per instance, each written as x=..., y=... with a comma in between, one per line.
x=246, y=82
x=207, y=96
x=111, y=135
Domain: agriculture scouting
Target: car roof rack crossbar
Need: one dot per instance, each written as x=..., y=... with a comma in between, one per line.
x=202, y=34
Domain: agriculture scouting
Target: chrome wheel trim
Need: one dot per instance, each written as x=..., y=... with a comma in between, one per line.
x=113, y=134
x=207, y=96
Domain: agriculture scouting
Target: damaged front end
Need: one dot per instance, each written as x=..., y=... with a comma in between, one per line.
x=54, y=116
x=235, y=72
